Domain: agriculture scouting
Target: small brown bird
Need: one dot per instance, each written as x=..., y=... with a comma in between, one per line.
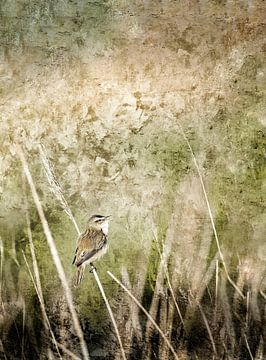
x=91, y=244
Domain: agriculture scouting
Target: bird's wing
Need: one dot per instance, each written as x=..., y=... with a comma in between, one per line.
x=84, y=257
x=75, y=256
x=88, y=244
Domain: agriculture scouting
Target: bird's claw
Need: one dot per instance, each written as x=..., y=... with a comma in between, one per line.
x=92, y=268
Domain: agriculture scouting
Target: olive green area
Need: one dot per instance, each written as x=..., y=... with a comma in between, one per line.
x=134, y=104
x=42, y=25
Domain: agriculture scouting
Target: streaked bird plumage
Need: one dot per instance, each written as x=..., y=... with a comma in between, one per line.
x=91, y=245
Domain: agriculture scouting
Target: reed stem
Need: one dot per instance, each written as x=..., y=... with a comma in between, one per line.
x=146, y=313
x=210, y=213
x=54, y=253
x=57, y=190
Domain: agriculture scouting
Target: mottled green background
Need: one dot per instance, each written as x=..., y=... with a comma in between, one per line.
x=104, y=86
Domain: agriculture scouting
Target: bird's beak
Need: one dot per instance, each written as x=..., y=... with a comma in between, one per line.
x=108, y=216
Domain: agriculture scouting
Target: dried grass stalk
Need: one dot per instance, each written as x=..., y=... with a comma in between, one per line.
x=68, y=352
x=54, y=253
x=206, y=324
x=46, y=321
x=146, y=313
x=34, y=260
x=133, y=308
x=195, y=298
x=247, y=345
x=216, y=282
x=162, y=273
x=1, y=266
x=159, y=288
x=58, y=192
x=210, y=214
x=23, y=326
x=55, y=186
x=164, y=324
x=14, y=251
x=165, y=268
x=36, y=278
x=2, y=350
x=263, y=294
x=225, y=305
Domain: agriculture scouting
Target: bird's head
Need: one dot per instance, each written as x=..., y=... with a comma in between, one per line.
x=99, y=222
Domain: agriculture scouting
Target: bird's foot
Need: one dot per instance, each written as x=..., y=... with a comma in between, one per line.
x=92, y=268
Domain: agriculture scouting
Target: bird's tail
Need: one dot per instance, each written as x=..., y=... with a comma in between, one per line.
x=79, y=275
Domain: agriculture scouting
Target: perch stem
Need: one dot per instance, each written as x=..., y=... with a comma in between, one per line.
x=57, y=190
x=109, y=310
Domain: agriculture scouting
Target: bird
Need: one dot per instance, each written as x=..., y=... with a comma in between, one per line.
x=91, y=244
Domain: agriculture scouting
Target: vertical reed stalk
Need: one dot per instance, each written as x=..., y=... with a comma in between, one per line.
x=247, y=345
x=146, y=313
x=68, y=352
x=163, y=348
x=168, y=280
x=225, y=305
x=216, y=281
x=2, y=350
x=158, y=289
x=216, y=289
x=110, y=311
x=206, y=324
x=55, y=186
x=44, y=314
x=54, y=253
x=23, y=327
x=14, y=251
x=37, y=280
x=210, y=213
x=263, y=294
x=248, y=308
x=1, y=266
x=134, y=311
x=35, y=264
x=57, y=191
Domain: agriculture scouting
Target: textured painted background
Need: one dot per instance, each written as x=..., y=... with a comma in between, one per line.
x=104, y=86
